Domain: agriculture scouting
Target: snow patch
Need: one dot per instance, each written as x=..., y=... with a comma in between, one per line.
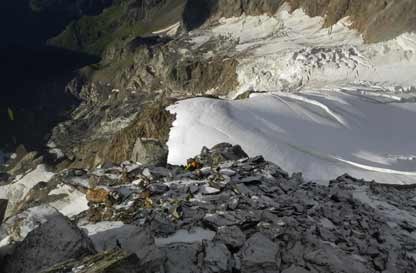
x=15, y=191
x=73, y=203
x=169, y=31
x=184, y=236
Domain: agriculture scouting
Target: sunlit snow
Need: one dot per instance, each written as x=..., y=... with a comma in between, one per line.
x=334, y=104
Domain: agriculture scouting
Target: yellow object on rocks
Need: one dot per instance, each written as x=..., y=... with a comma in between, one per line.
x=11, y=114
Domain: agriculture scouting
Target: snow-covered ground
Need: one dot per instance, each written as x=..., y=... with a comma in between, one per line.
x=69, y=201
x=334, y=105
x=324, y=135
x=17, y=190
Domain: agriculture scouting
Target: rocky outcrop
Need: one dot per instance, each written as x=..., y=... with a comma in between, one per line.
x=53, y=242
x=197, y=13
x=138, y=131
x=231, y=213
x=378, y=20
x=121, y=116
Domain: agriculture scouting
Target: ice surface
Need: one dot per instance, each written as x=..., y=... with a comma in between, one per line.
x=335, y=105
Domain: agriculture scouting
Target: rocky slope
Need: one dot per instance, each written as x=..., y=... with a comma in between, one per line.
x=144, y=74
x=376, y=19
x=225, y=213
x=145, y=67
x=84, y=204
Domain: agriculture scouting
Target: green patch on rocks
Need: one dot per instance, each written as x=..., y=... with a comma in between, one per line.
x=123, y=21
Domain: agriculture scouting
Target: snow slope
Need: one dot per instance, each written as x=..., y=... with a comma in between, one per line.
x=334, y=105
x=322, y=134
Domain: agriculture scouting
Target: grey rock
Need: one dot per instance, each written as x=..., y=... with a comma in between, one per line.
x=222, y=219
x=182, y=258
x=232, y=236
x=217, y=258
x=259, y=254
x=295, y=269
x=250, y=180
x=149, y=152
x=221, y=153
x=331, y=258
x=158, y=188
x=227, y=172
x=55, y=241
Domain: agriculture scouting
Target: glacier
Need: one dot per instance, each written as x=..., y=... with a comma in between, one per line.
x=330, y=103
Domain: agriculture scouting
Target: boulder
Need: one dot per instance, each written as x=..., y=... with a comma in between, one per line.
x=232, y=236
x=259, y=254
x=220, y=153
x=53, y=242
x=149, y=152
x=217, y=258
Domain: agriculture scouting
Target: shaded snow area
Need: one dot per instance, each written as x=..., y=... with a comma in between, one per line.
x=324, y=135
x=334, y=104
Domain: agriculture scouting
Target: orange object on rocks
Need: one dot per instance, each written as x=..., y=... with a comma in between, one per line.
x=98, y=195
x=193, y=164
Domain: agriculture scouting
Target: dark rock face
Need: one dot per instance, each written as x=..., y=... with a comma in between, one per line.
x=72, y=9
x=199, y=12
x=378, y=20
x=53, y=242
x=3, y=207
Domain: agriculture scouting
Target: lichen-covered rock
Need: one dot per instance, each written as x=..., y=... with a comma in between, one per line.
x=115, y=261
x=98, y=195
